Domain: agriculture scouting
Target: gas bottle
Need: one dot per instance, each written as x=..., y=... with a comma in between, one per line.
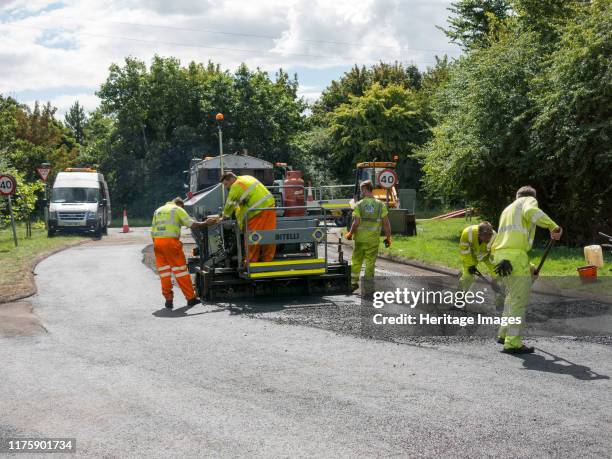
x=593, y=255
x=294, y=193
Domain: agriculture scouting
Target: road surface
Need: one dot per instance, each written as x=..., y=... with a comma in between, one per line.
x=125, y=378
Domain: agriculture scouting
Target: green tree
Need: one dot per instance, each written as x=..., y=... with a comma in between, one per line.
x=532, y=108
x=75, y=119
x=472, y=20
x=164, y=116
x=572, y=134
x=376, y=126
x=358, y=80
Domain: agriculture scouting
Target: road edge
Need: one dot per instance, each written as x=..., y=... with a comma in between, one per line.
x=32, y=289
x=540, y=289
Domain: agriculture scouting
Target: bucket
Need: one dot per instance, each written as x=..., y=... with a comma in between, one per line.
x=593, y=255
x=587, y=273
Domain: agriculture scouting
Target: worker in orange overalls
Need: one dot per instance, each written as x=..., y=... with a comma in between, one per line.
x=168, y=249
x=247, y=197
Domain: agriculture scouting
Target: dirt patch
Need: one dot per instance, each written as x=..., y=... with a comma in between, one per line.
x=18, y=319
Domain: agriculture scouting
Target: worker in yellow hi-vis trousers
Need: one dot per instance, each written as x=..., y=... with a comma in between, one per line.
x=475, y=247
x=514, y=239
x=369, y=216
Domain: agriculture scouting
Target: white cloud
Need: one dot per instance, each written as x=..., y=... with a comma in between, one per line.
x=44, y=45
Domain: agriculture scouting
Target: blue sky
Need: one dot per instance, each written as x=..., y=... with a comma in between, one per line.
x=60, y=50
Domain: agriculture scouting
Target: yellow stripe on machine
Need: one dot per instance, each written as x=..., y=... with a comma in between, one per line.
x=336, y=206
x=309, y=261
x=290, y=272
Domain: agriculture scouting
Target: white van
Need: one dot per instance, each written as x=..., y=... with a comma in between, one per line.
x=79, y=201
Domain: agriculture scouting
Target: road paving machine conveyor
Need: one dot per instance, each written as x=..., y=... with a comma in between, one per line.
x=301, y=265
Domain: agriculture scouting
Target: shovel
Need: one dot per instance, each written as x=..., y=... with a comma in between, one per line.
x=493, y=285
x=546, y=251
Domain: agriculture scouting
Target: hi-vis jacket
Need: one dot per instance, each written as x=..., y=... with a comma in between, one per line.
x=168, y=219
x=472, y=251
x=370, y=212
x=245, y=194
x=518, y=223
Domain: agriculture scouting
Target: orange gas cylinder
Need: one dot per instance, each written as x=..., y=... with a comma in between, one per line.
x=294, y=193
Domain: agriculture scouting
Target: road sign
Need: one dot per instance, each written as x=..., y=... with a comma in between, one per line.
x=387, y=178
x=8, y=185
x=43, y=172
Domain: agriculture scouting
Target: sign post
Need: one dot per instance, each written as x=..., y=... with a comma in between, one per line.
x=219, y=117
x=43, y=172
x=8, y=185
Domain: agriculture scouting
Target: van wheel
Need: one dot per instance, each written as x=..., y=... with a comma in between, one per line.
x=98, y=231
x=105, y=230
x=50, y=232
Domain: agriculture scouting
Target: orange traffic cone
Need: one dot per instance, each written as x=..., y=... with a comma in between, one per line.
x=309, y=197
x=126, y=227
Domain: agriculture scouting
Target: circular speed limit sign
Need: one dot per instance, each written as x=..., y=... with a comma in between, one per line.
x=7, y=185
x=387, y=178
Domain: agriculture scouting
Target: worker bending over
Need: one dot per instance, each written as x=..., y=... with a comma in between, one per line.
x=247, y=197
x=168, y=249
x=514, y=239
x=475, y=247
x=368, y=217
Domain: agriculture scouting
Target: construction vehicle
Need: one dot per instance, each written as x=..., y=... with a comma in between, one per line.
x=302, y=264
x=378, y=172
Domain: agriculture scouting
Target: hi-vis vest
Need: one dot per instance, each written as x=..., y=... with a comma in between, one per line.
x=246, y=195
x=370, y=212
x=472, y=251
x=168, y=219
x=518, y=223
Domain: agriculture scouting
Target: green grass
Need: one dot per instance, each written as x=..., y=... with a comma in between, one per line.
x=437, y=243
x=16, y=262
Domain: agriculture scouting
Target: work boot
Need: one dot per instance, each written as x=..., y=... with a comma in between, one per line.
x=519, y=350
x=193, y=302
x=169, y=304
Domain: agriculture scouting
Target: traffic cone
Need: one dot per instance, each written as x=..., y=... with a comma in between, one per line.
x=126, y=227
x=309, y=197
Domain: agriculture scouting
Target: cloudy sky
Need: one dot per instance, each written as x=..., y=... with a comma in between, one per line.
x=60, y=50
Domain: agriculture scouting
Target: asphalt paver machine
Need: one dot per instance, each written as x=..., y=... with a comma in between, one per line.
x=302, y=265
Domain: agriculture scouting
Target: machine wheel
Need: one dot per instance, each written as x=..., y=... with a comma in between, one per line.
x=340, y=221
x=98, y=231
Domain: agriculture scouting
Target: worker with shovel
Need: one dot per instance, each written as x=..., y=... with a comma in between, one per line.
x=514, y=239
x=475, y=248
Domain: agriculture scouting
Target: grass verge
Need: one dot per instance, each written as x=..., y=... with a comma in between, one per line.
x=437, y=243
x=16, y=262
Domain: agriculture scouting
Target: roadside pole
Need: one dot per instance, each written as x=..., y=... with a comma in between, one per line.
x=10, y=206
x=43, y=172
x=8, y=185
x=219, y=118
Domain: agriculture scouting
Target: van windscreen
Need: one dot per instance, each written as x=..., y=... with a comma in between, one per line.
x=75, y=195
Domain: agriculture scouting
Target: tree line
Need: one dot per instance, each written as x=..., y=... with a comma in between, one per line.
x=527, y=102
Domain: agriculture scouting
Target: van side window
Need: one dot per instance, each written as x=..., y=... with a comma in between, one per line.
x=102, y=192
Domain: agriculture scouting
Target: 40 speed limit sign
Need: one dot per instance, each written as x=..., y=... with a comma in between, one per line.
x=387, y=178
x=8, y=185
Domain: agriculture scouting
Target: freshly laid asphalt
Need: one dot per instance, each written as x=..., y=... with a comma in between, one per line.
x=125, y=378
